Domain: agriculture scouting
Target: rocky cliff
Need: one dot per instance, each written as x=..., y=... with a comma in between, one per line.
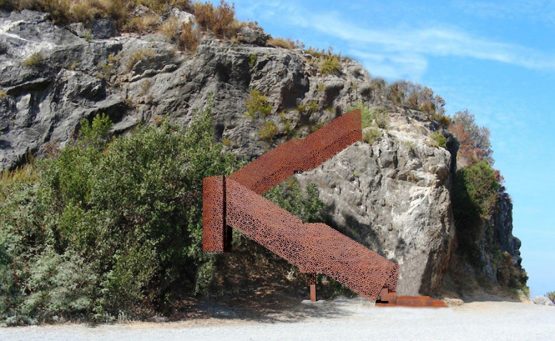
x=393, y=193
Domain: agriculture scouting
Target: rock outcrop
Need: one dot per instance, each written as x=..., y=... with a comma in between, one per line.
x=392, y=195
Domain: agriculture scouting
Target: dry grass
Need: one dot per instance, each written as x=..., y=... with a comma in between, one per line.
x=169, y=28
x=137, y=56
x=219, y=20
x=3, y=94
x=189, y=37
x=143, y=24
x=268, y=131
x=442, y=119
x=64, y=11
x=282, y=43
x=34, y=60
x=257, y=104
x=330, y=65
x=23, y=175
x=371, y=135
x=317, y=53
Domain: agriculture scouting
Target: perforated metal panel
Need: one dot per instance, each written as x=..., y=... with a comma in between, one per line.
x=314, y=248
x=300, y=155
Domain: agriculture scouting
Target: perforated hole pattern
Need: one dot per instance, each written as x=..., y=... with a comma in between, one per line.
x=313, y=248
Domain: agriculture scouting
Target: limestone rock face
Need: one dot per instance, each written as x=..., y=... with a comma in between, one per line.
x=394, y=196
x=137, y=79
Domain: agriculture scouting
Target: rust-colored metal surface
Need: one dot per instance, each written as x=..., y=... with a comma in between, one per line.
x=300, y=155
x=214, y=237
x=313, y=248
x=313, y=292
x=412, y=301
x=235, y=202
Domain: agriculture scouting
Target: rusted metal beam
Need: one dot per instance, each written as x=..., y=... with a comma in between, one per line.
x=314, y=248
x=312, y=281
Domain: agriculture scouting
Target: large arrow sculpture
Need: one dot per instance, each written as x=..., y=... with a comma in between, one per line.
x=235, y=202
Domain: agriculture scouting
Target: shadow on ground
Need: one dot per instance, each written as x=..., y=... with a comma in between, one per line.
x=265, y=305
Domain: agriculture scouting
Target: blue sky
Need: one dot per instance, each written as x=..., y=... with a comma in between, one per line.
x=495, y=58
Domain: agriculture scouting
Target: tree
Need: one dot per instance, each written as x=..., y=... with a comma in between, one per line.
x=474, y=140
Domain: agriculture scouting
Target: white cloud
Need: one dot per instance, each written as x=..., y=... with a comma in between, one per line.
x=431, y=41
x=391, y=65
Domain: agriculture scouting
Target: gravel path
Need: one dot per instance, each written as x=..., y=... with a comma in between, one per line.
x=349, y=319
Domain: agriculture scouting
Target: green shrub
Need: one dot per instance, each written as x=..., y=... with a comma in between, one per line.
x=23, y=175
x=475, y=195
x=372, y=116
x=330, y=65
x=287, y=124
x=308, y=108
x=108, y=227
x=371, y=135
x=252, y=60
x=304, y=204
x=366, y=114
x=478, y=185
x=381, y=117
x=439, y=139
x=257, y=104
x=268, y=131
x=34, y=60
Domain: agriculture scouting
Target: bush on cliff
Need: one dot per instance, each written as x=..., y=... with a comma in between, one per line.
x=474, y=198
x=474, y=142
x=304, y=204
x=107, y=228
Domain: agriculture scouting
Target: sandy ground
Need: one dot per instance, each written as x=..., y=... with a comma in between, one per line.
x=349, y=319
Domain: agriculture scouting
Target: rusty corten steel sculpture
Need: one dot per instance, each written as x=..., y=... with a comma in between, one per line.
x=235, y=202
x=300, y=155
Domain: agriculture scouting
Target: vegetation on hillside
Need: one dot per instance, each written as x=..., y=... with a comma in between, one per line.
x=282, y=43
x=304, y=204
x=111, y=227
x=473, y=139
x=106, y=227
x=475, y=195
x=142, y=16
x=257, y=104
